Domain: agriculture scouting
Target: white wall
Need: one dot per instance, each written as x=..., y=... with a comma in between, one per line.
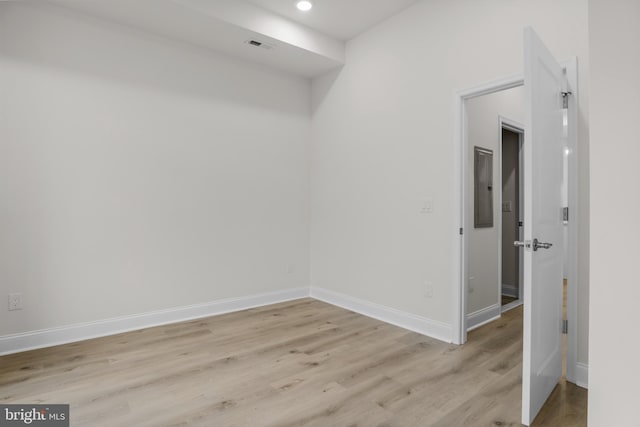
x=138, y=174
x=382, y=143
x=483, y=126
x=615, y=231
x=93, y=115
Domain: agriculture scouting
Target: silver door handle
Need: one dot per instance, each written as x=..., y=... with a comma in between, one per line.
x=541, y=245
x=519, y=244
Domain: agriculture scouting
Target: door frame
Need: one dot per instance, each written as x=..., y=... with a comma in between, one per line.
x=515, y=127
x=460, y=238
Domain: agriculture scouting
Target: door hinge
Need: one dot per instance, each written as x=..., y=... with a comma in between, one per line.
x=565, y=99
x=461, y=231
x=565, y=327
x=565, y=214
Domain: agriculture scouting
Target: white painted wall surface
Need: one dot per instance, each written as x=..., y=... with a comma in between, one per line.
x=483, y=116
x=139, y=174
x=614, y=36
x=382, y=143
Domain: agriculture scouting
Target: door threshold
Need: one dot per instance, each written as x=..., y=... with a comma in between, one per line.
x=511, y=305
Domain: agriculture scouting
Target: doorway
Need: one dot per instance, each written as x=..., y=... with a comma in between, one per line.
x=494, y=137
x=511, y=222
x=551, y=128
x=461, y=238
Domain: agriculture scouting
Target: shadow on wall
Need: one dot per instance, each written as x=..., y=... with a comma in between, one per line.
x=321, y=87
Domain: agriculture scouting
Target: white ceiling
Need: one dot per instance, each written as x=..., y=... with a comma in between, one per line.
x=340, y=19
x=304, y=44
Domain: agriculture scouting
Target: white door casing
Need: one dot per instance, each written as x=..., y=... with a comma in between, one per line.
x=543, y=268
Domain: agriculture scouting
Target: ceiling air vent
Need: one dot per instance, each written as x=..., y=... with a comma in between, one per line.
x=261, y=45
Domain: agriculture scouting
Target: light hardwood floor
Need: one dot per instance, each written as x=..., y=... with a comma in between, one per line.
x=292, y=364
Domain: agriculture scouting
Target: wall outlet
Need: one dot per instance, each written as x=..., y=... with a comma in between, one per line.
x=15, y=302
x=429, y=290
x=471, y=286
x=427, y=206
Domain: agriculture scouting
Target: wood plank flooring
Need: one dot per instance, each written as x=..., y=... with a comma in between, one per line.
x=300, y=363
x=506, y=299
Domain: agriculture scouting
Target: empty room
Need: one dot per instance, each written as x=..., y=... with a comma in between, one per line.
x=319, y=213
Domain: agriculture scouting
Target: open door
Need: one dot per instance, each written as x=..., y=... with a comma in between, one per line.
x=543, y=234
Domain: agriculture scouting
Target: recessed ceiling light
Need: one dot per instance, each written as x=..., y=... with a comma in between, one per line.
x=304, y=5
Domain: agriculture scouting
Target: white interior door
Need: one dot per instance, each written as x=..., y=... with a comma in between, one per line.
x=543, y=171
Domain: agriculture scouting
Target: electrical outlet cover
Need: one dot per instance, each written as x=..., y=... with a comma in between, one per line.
x=15, y=302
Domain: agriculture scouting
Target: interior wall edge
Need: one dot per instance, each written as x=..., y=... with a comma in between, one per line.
x=422, y=325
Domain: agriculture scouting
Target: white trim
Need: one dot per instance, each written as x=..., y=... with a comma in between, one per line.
x=498, y=216
x=459, y=331
x=582, y=375
x=509, y=290
x=511, y=125
x=483, y=316
x=422, y=325
x=82, y=331
x=512, y=305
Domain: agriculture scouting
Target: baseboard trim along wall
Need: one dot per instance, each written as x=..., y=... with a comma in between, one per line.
x=582, y=375
x=510, y=290
x=83, y=331
x=422, y=325
x=483, y=316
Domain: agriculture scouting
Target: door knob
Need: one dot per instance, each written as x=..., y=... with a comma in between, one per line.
x=521, y=244
x=541, y=245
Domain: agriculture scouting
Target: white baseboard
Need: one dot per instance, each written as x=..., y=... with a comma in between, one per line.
x=511, y=305
x=422, y=325
x=510, y=290
x=483, y=316
x=82, y=331
x=582, y=375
